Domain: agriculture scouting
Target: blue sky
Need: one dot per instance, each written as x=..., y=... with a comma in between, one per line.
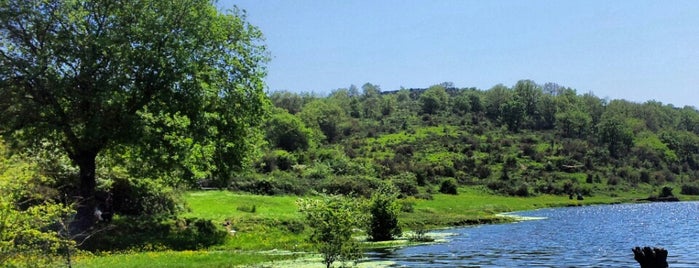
x=635, y=50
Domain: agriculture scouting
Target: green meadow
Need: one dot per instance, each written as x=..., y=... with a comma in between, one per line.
x=272, y=234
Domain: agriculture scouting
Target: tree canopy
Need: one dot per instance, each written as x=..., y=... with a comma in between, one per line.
x=150, y=78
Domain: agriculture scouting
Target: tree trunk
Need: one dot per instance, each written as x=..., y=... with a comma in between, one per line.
x=85, y=214
x=649, y=257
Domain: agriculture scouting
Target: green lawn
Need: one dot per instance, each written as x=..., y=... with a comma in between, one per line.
x=222, y=205
x=175, y=259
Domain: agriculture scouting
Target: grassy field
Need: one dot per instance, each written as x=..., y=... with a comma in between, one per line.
x=175, y=259
x=270, y=231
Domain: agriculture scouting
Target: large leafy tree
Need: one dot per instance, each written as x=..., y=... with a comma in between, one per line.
x=286, y=131
x=178, y=81
x=434, y=99
x=494, y=100
x=325, y=116
x=614, y=131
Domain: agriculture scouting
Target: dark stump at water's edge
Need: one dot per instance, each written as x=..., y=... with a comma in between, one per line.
x=649, y=257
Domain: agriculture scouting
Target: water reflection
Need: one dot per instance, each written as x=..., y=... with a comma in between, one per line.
x=595, y=236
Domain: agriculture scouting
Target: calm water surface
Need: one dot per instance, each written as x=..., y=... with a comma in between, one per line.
x=593, y=236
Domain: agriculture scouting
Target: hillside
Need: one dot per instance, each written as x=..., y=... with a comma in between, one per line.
x=525, y=140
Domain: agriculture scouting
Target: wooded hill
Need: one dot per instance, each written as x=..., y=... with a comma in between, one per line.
x=524, y=140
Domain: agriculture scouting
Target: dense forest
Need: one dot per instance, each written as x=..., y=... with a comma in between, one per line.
x=523, y=140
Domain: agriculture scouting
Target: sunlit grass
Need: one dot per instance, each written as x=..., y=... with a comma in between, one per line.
x=175, y=259
x=222, y=205
x=474, y=204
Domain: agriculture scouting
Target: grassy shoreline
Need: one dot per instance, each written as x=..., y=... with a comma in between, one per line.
x=271, y=234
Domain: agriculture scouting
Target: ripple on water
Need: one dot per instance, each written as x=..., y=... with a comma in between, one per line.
x=593, y=236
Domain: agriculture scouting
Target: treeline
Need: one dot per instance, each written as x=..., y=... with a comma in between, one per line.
x=522, y=140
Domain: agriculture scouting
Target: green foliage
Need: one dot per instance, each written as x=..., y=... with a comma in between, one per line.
x=495, y=99
x=277, y=160
x=144, y=198
x=147, y=233
x=434, y=99
x=289, y=101
x=666, y=191
x=177, y=85
x=349, y=185
x=512, y=114
x=332, y=219
x=246, y=208
x=462, y=103
x=614, y=131
x=275, y=183
x=472, y=150
x=324, y=117
x=573, y=123
x=406, y=183
x=193, y=233
x=29, y=213
x=448, y=186
x=383, y=214
x=286, y=131
x=420, y=234
x=688, y=189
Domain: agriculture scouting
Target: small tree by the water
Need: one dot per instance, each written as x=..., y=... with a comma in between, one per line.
x=332, y=219
x=666, y=192
x=383, y=210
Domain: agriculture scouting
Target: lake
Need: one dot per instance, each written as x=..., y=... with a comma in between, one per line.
x=591, y=236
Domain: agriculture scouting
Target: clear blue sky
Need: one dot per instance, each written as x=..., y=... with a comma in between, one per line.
x=635, y=50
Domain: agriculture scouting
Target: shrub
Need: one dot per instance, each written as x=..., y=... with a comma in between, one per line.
x=145, y=232
x=318, y=171
x=275, y=183
x=383, y=214
x=589, y=178
x=666, y=192
x=277, y=159
x=406, y=183
x=285, y=160
x=688, y=189
x=287, y=131
x=508, y=188
x=135, y=197
x=483, y=171
x=29, y=216
x=261, y=187
x=420, y=234
x=522, y=190
x=349, y=185
x=294, y=226
x=407, y=205
x=448, y=186
x=511, y=162
x=613, y=181
x=529, y=150
x=424, y=196
x=332, y=220
x=247, y=208
x=195, y=234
